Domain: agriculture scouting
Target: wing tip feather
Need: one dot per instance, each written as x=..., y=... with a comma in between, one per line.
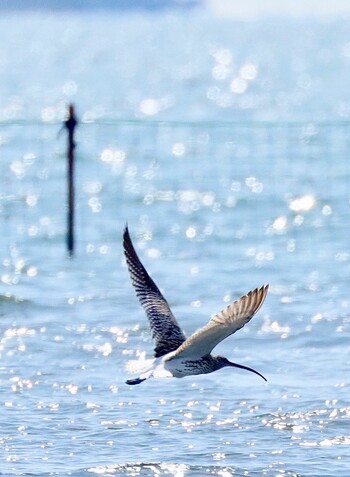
x=258, y=295
x=126, y=235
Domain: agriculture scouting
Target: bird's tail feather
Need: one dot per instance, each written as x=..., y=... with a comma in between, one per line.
x=147, y=368
x=142, y=367
x=139, y=366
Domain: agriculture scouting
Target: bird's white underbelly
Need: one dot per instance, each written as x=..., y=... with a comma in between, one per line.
x=162, y=367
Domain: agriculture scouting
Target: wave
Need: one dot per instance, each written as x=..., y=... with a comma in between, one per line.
x=9, y=298
x=156, y=469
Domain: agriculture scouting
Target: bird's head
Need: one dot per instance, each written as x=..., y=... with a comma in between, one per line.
x=223, y=362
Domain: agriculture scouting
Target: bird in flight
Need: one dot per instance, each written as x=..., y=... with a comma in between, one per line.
x=174, y=355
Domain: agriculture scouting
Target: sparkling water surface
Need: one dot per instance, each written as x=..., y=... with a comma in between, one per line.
x=214, y=210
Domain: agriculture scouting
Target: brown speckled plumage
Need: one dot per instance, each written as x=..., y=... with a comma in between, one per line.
x=166, y=332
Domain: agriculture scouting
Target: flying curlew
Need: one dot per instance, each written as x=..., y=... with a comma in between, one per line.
x=174, y=355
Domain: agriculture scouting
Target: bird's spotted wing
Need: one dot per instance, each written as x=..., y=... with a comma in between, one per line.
x=166, y=332
x=222, y=325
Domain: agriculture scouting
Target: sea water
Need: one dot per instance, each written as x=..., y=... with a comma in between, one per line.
x=224, y=145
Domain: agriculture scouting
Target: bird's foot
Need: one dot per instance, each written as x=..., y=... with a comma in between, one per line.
x=135, y=381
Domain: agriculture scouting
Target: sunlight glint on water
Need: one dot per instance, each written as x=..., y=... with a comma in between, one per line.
x=214, y=211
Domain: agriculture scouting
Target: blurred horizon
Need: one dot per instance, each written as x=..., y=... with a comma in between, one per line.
x=247, y=10
x=70, y=5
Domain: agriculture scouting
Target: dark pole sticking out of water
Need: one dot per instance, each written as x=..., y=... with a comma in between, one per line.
x=70, y=124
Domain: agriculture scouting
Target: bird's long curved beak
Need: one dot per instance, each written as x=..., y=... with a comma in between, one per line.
x=235, y=365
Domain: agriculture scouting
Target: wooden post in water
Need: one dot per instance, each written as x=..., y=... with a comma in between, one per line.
x=70, y=124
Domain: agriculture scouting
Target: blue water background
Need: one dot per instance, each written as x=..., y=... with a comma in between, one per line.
x=224, y=145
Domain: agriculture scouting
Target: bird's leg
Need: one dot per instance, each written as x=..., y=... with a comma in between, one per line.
x=135, y=381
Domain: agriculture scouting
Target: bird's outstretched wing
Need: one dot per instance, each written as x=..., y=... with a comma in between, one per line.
x=222, y=325
x=166, y=332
